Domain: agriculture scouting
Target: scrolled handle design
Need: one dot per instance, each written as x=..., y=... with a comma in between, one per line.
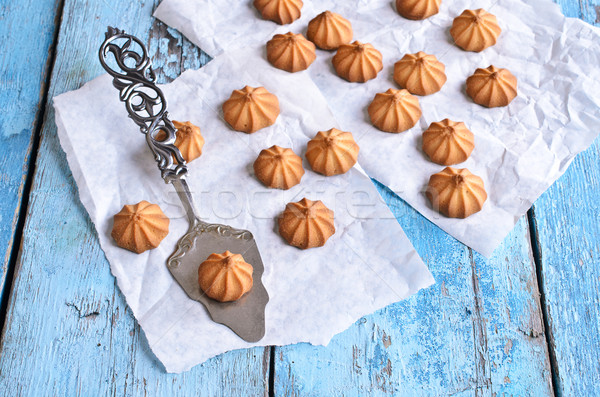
x=145, y=102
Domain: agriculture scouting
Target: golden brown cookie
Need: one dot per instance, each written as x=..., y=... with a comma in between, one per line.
x=332, y=152
x=418, y=9
x=278, y=167
x=492, y=87
x=306, y=224
x=250, y=109
x=329, y=30
x=290, y=52
x=456, y=193
x=394, y=110
x=140, y=227
x=280, y=11
x=225, y=277
x=420, y=73
x=475, y=30
x=188, y=140
x=448, y=142
x=357, y=62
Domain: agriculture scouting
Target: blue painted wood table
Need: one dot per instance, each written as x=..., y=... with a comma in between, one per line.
x=525, y=322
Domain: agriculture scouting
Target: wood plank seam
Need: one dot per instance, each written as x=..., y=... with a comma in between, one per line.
x=24, y=204
x=271, y=384
x=537, y=259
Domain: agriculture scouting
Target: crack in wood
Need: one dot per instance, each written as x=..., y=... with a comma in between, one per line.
x=537, y=260
x=80, y=311
x=482, y=366
x=269, y=370
x=531, y=333
x=12, y=256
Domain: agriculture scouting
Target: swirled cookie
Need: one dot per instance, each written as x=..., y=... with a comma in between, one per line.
x=225, y=277
x=280, y=11
x=357, y=62
x=394, y=110
x=250, y=109
x=420, y=73
x=492, y=87
x=278, y=167
x=448, y=142
x=475, y=30
x=140, y=227
x=418, y=9
x=332, y=152
x=306, y=224
x=290, y=52
x=329, y=30
x=456, y=193
x=188, y=140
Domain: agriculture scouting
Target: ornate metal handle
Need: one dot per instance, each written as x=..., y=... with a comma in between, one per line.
x=145, y=102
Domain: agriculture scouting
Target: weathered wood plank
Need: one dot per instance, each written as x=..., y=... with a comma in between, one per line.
x=24, y=66
x=568, y=240
x=587, y=10
x=478, y=331
x=69, y=330
x=568, y=230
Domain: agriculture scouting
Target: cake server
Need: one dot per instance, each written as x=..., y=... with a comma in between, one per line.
x=147, y=106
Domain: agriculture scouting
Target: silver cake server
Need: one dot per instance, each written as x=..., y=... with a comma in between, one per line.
x=147, y=107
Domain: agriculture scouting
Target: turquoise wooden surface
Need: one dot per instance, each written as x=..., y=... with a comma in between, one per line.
x=24, y=66
x=566, y=220
x=467, y=335
x=525, y=322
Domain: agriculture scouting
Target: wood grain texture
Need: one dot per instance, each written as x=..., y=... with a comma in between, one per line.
x=477, y=331
x=568, y=227
x=567, y=220
x=69, y=331
x=24, y=65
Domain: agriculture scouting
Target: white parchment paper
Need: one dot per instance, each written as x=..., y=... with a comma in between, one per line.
x=520, y=150
x=367, y=264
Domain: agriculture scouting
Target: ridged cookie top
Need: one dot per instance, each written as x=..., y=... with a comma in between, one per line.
x=290, y=52
x=448, y=142
x=250, y=109
x=420, y=73
x=306, y=224
x=418, y=9
x=475, y=30
x=492, y=87
x=188, y=140
x=332, y=152
x=140, y=227
x=357, y=62
x=280, y=11
x=278, y=167
x=225, y=277
x=394, y=110
x=456, y=193
x=329, y=30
